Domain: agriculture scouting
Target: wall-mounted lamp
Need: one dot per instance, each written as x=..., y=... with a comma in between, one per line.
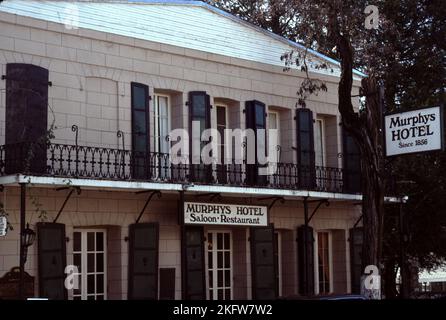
x=28, y=237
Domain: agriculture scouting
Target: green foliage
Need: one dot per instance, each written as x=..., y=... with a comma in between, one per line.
x=408, y=54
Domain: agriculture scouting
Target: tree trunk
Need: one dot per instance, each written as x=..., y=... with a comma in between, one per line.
x=389, y=279
x=366, y=129
x=371, y=167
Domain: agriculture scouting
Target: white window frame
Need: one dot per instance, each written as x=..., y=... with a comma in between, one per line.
x=156, y=117
x=84, y=274
x=231, y=254
x=316, y=260
x=324, y=154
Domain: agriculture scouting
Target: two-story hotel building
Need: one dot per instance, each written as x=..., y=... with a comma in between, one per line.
x=89, y=96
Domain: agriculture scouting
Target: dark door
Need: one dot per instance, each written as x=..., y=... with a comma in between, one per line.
x=193, y=263
x=140, y=131
x=52, y=260
x=305, y=254
x=256, y=121
x=263, y=266
x=305, y=149
x=26, y=118
x=143, y=261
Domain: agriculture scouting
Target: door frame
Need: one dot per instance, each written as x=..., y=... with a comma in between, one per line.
x=316, y=260
x=231, y=254
x=84, y=266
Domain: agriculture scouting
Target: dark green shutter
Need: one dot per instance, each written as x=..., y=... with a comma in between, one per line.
x=193, y=270
x=356, y=239
x=305, y=148
x=199, y=110
x=52, y=260
x=305, y=256
x=351, y=164
x=143, y=261
x=263, y=265
x=140, y=131
x=26, y=118
x=255, y=119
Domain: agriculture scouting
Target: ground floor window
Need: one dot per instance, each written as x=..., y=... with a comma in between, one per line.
x=324, y=263
x=90, y=257
x=219, y=262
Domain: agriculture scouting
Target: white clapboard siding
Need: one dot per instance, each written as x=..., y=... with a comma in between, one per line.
x=188, y=24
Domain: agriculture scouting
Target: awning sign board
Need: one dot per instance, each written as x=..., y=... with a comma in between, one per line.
x=225, y=214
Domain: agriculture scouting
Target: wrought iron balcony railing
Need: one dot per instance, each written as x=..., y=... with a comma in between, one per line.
x=70, y=161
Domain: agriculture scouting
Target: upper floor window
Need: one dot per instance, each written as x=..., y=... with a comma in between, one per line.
x=274, y=123
x=319, y=142
x=162, y=123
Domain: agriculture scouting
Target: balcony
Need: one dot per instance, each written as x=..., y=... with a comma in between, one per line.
x=87, y=162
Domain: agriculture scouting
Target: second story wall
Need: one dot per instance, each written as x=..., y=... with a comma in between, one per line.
x=92, y=72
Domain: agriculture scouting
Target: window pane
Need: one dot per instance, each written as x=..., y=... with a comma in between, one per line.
x=227, y=260
x=90, y=241
x=220, y=278
x=209, y=241
x=79, y=289
x=90, y=262
x=77, y=261
x=211, y=279
x=100, y=283
x=210, y=261
x=221, y=116
x=100, y=297
x=99, y=241
x=318, y=143
x=90, y=283
x=220, y=294
x=227, y=235
x=272, y=120
x=162, y=107
x=227, y=278
x=227, y=294
x=77, y=241
x=219, y=259
x=219, y=241
x=99, y=262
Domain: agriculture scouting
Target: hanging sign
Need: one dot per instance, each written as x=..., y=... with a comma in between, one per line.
x=225, y=214
x=3, y=226
x=414, y=131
